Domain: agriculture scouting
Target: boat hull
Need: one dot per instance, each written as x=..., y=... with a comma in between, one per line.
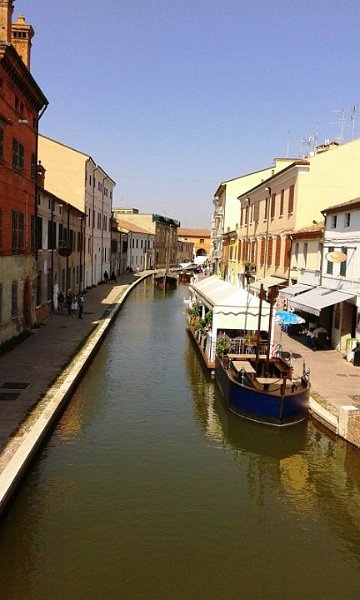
x=259, y=406
x=166, y=282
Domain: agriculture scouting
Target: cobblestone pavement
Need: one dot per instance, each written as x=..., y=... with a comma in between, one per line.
x=334, y=381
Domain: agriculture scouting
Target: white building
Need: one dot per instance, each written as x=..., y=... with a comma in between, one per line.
x=74, y=175
x=335, y=302
x=140, y=246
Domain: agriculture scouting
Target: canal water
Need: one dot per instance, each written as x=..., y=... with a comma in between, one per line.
x=149, y=489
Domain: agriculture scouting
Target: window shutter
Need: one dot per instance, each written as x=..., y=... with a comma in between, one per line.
x=291, y=199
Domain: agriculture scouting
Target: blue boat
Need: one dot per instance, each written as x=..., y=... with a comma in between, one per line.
x=263, y=389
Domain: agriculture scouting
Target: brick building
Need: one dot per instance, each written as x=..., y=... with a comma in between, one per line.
x=21, y=105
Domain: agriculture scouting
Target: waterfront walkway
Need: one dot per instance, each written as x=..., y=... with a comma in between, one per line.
x=334, y=381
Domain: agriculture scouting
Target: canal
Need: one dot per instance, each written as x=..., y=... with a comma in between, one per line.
x=149, y=489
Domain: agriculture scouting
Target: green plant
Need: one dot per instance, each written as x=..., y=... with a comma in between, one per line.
x=200, y=325
x=222, y=344
x=209, y=318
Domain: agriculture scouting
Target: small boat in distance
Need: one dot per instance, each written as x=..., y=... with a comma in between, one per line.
x=166, y=281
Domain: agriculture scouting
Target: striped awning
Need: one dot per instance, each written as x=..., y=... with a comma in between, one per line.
x=266, y=282
x=294, y=290
x=314, y=301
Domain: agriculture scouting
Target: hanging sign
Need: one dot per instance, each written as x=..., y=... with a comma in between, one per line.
x=64, y=251
x=336, y=257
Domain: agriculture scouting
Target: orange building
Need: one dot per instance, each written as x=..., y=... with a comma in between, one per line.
x=21, y=103
x=199, y=237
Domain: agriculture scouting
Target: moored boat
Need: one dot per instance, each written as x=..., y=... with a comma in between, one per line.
x=166, y=281
x=263, y=389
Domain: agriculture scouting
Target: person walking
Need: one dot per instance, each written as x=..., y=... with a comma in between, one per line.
x=106, y=276
x=61, y=301
x=74, y=306
x=80, y=302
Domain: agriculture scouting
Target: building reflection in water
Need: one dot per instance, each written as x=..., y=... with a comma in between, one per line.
x=319, y=474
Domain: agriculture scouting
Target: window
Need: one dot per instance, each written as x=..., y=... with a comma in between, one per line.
x=277, y=252
x=49, y=285
x=51, y=235
x=296, y=252
x=256, y=212
x=0, y=228
x=281, y=209
x=266, y=208
x=343, y=264
x=329, y=265
x=305, y=254
x=347, y=220
x=273, y=198
x=14, y=298
x=202, y=240
x=38, y=232
x=333, y=222
x=18, y=155
x=21, y=231
x=291, y=199
x=14, y=230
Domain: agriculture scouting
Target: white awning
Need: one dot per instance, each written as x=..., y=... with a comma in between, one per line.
x=294, y=290
x=233, y=307
x=314, y=301
x=266, y=282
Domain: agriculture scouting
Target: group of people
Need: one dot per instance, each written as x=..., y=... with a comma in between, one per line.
x=73, y=304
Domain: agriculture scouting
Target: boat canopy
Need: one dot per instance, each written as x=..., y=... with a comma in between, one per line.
x=233, y=307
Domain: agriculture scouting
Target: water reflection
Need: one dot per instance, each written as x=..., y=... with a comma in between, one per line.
x=150, y=488
x=318, y=473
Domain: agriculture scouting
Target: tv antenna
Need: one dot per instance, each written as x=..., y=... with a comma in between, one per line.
x=353, y=124
x=341, y=122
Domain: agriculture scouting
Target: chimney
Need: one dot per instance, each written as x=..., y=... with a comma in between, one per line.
x=40, y=176
x=6, y=10
x=22, y=34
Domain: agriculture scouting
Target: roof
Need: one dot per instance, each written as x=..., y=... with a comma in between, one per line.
x=9, y=58
x=314, y=301
x=315, y=230
x=132, y=227
x=294, y=290
x=355, y=203
x=183, y=232
x=266, y=282
x=233, y=307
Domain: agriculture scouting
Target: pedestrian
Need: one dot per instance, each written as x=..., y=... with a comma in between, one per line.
x=80, y=305
x=61, y=301
x=74, y=306
x=69, y=299
x=106, y=276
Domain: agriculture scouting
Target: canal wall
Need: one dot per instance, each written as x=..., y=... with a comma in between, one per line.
x=22, y=447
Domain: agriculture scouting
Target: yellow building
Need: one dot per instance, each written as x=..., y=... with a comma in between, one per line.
x=290, y=200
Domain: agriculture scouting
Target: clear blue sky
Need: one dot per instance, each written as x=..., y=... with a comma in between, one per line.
x=171, y=97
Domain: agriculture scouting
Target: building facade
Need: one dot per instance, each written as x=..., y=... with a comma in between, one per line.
x=164, y=230
x=21, y=106
x=140, y=246
x=74, y=175
x=60, y=251
x=200, y=238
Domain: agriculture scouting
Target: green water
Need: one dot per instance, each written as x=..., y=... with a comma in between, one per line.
x=149, y=489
